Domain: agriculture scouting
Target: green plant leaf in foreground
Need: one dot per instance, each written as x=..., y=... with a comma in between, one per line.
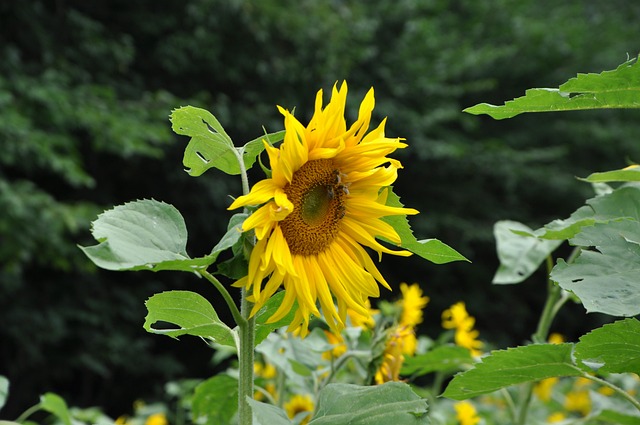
x=390, y=403
x=612, y=348
x=142, y=235
x=215, y=399
x=56, y=405
x=619, y=88
x=519, y=255
x=4, y=390
x=190, y=312
x=606, y=279
x=268, y=414
x=430, y=249
x=627, y=174
x=504, y=368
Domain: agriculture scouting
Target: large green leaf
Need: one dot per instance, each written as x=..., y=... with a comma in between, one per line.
x=445, y=358
x=623, y=203
x=628, y=174
x=215, y=401
x=519, y=255
x=188, y=313
x=390, y=403
x=429, y=249
x=210, y=146
x=606, y=280
x=612, y=348
x=56, y=405
x=619, y=88
x=142, y=235
x=513, y=366
x=4, y=390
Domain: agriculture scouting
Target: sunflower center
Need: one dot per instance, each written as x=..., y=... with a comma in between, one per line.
x=317, y=193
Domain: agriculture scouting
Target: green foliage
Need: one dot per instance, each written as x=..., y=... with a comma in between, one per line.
x=520, y=255
x=56, y=405
x=263, y=326
x=215, y=400
x=144, y=235
x=346, y=403
x=267, y=414
x=629, y=174
x=518, y=365
x=191, y=312
x=444, y=358
x=4, y=390
x=613, y=348
x=610, y=89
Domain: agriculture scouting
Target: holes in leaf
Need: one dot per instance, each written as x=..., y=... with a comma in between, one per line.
x=577, y=280
x=202, y=157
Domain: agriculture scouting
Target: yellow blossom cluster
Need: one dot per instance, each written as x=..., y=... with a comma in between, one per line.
x=457, y=318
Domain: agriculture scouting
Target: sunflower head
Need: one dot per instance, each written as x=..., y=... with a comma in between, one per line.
x=319, y=210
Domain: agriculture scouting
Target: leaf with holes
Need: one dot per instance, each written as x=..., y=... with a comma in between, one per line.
x=430, y=249
x=519, y=255
x=513, y=366
x=186, y=313
x=605, y=279
x=612, y=348
x=143, y=235
x=619, y=88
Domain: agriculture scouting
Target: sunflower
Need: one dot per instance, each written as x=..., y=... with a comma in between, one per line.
x=318, y=211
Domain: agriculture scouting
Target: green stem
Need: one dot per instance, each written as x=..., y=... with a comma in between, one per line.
x=510, y=404
x=245, y=361
x=30, y=411
x=247, y=334
x=225, y=294
x=615, y=388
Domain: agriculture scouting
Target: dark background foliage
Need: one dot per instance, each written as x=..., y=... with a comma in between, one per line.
x=85, y=93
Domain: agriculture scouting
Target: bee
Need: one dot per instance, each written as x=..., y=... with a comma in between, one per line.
x=331, y=192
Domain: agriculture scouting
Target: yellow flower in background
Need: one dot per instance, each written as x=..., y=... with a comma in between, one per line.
x=299, y=403
x=544, y=388
x=364, y=322
x=578, y=401
x=556, y=417
x=156, y=419
x=400, y=341
x=412, y=303
x=556, y=338
x=339, y=346
x=466, y=414
x=456, y=317
x=319, y=210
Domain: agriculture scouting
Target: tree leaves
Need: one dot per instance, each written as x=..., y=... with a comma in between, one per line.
x=210, y=146
x=619, y=88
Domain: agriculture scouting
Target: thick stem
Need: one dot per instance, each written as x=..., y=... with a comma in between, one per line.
x=245, y=361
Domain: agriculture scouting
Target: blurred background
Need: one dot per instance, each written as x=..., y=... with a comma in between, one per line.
x=86, y=89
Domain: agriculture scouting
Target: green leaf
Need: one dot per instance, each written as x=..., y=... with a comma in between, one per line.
x=445, y=358
x=210, y=146
x=56, y=405
x=4, y=390
x=263, y=329
x=429, y=249
x=612, y=348
x=612, y=410
x=520, y=256
x=504, y=368
x=190, y=312
x=605, y=280
x=628, y=174
x=216, y=400
x=392, y=402
x=142, y=235
x=621, y=204
x=619, y=88
x=267, y=414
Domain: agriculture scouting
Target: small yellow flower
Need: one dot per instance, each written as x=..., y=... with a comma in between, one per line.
x=556, y=417
x=364, y=322
x=157, y=419
x=466, y=414
x=456, y=317
x=339, y=347
x=399, y=342
x=264, y=370
x=122, y=420
x=578, y=401
x=299, y=403
x=556, y=338
x=607, y=391
x=412, y=303
x=543, y=388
